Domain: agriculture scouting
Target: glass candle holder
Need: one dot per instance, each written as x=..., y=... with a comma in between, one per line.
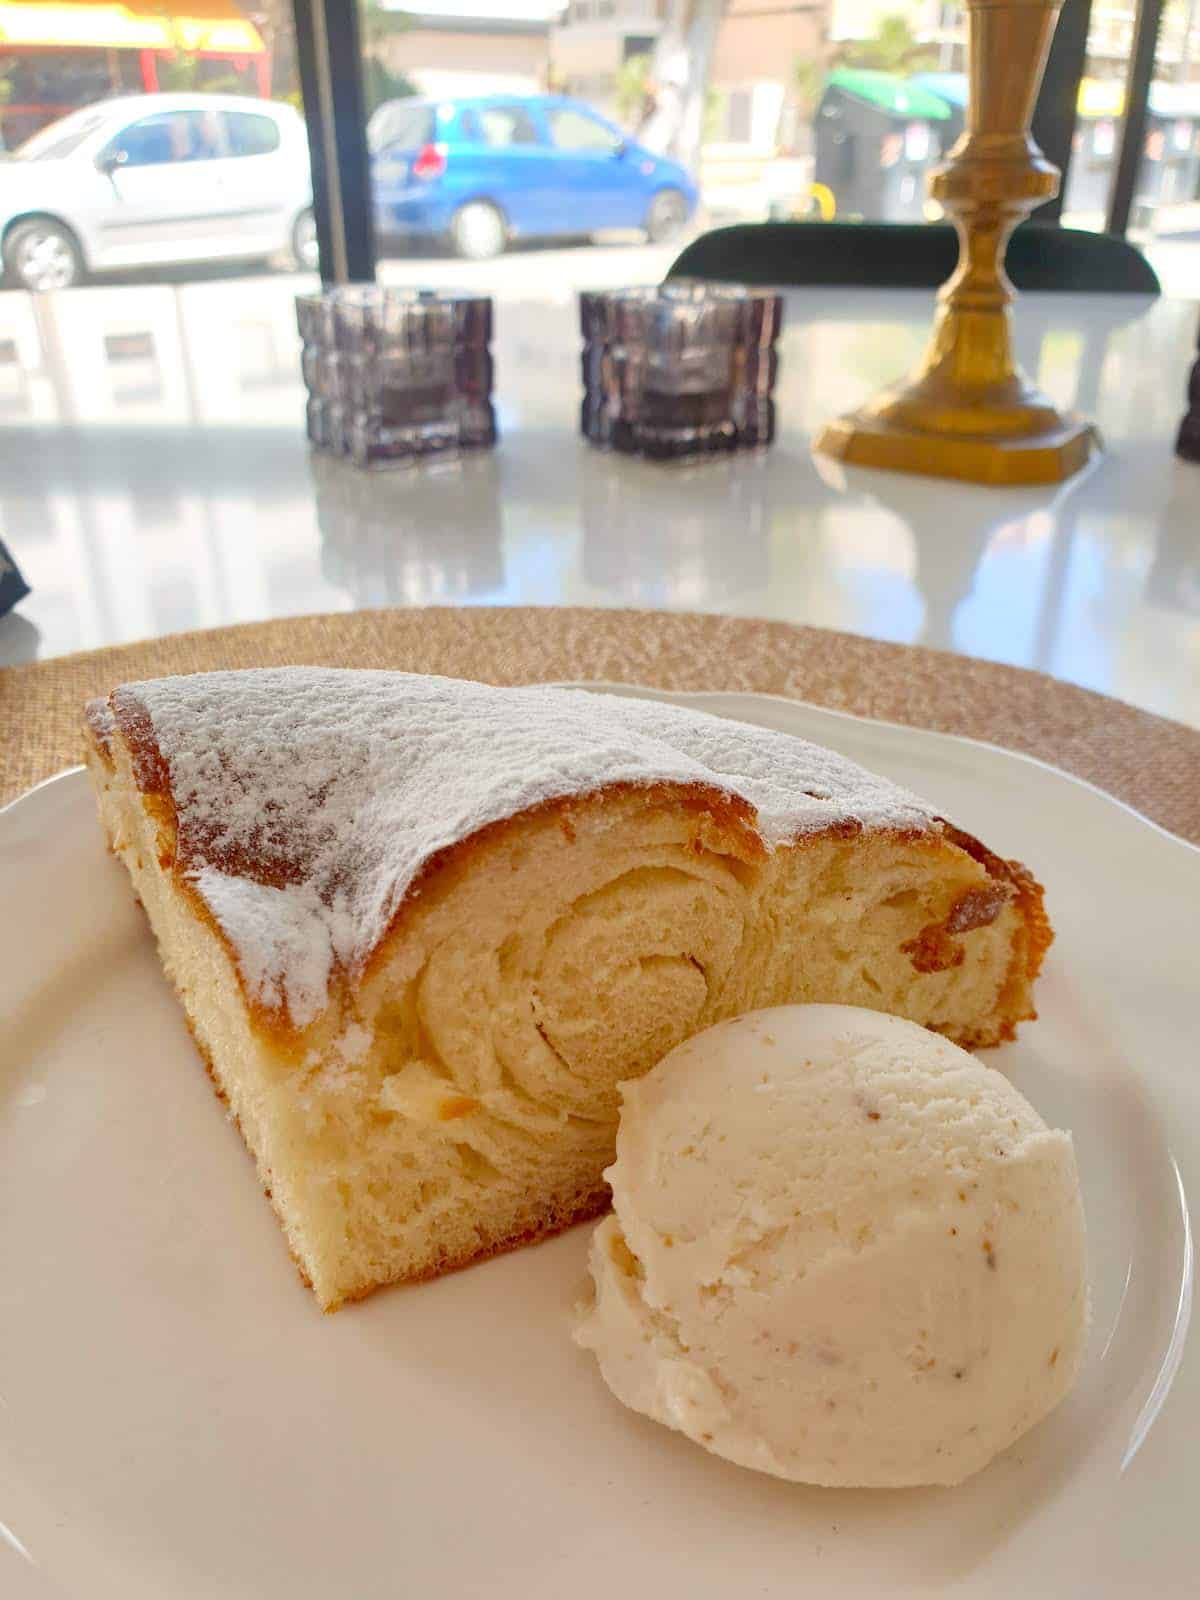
x=394, y=374
x=324, y=410
x=680, y=370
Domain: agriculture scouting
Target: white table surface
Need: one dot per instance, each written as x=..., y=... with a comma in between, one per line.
x=154, y=477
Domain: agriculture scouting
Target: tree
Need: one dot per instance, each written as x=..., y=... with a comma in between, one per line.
x=808, y=84
x=633, y=89
x=1187, y=14
x=892, y=48
x=679, y=78
x=380, y=83
x=183, y=72
x=276, y=23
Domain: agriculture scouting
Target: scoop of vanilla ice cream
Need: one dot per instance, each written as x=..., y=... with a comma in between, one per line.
x=842, y=1251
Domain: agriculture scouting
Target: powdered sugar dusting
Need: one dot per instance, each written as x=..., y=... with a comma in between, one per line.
x=288, y=939
x=309, y=799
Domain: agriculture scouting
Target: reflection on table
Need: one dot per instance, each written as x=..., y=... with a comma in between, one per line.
x=156, y=356
x=423, y=535
x=659, y=535
x=154, y=477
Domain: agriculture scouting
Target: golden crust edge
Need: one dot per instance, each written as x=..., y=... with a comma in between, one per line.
x=718, y=813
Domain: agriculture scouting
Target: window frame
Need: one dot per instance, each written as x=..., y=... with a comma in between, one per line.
x=1147, y=25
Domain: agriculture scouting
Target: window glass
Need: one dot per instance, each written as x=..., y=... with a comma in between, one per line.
x=575, y=130
x=251, y=135
x=1164, y=217
x=507, y=125
x=840, y=111
x=171, y=136
x=399, y=126
x=468, y=127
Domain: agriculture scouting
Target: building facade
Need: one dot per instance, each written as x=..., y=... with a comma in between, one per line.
x=760, y=47
x=468, y=47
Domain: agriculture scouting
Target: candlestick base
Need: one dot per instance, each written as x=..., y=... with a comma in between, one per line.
x=1030, y=446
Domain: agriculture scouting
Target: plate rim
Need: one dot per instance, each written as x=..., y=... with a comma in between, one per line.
x=70, y=785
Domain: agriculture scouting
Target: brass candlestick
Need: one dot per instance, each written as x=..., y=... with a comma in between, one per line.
x=969, y=412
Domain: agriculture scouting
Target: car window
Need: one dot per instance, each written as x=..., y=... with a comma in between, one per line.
x=503, y=126
x=396, y=126
x=575, y=130
x=251, y=134
x=469, y=130
x=169, y=137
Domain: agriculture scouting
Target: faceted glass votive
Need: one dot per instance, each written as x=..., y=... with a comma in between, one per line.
x=394, y=374
x=320, y=371
x=680, y=370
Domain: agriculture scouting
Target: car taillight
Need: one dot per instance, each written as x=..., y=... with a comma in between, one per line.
x=430, y=162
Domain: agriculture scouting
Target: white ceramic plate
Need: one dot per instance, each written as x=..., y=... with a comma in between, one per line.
x=177, y=1419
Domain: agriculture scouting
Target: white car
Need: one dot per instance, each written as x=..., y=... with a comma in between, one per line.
x=146, y=180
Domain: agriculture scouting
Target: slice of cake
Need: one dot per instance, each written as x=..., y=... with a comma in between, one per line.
x=422, y=928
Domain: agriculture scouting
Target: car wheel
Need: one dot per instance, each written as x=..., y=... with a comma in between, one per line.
x=41, y=255
x=306, y=255
x=667, y=214
x=478, y=231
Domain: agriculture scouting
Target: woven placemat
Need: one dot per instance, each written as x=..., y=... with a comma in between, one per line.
x=1149, y=762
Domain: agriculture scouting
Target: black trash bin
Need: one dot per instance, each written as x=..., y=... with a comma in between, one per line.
x=876, y=137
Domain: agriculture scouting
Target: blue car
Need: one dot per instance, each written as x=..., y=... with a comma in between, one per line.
x=480, y=172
